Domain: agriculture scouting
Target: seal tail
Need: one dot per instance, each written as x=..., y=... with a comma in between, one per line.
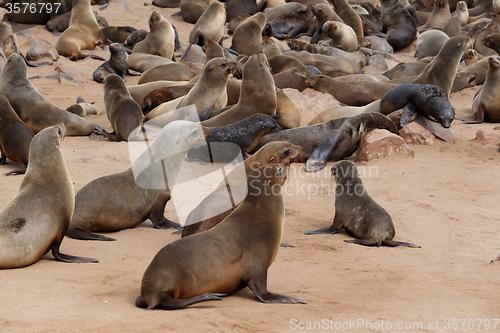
x=86, y=235
x=170, y=303
x=371, y=242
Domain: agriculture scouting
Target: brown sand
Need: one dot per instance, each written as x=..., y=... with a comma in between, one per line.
x=442, y=199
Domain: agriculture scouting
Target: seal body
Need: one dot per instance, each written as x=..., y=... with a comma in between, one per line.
x=209, y=25
x=247, y=37
x=117, y=64
x=486, y=103
x=234, y=254
x=36, y=219
x=397, y=22
x=160, y=39
x=341, y=35
x=357, y=212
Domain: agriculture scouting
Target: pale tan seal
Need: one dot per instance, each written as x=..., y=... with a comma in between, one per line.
x=247, y=37
x=160, y=39
x=234, y=254
x=486, y=103
x=141, y=62
x=209, y=25
x=175, y=71
x=36, y=219
x=342, y=36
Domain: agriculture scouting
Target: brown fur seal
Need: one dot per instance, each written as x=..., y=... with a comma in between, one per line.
x=332, y=140
x=122, y=111
x=209, y=25
x=160, y=39
x=288, y=110
x=174, y=71
x=323, y=13
x=36, y=111
x=430, y=43
x=486, y=103
x=241, y=7
x=492, y=41
x=83, y=32
x=357, y=212
x=117, y=64
x=138, y=193
x=439, y=16
x=15, y=136
x=258, y=94
x=211, y=212
x=191, y=10
x=162, y=95
x=247, y=38
x=117, y=34
x=235, y=254
x=446, y=64
x=398, y=24
x=342, y=36
x=285, y=9
x=141, y=62
x=167, y=3
x=349, y=16
x=36, y=219
x=292, y=25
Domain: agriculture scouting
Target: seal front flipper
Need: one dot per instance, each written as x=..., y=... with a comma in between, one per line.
x=328, y=230
x=286, y=245
x=371, y=242
x=408, y=114
x=67, y=258
x=164, y=223
x=86, y=235
x=258, y=284
x=319, y=156
x=16, y=172
x=169, y=303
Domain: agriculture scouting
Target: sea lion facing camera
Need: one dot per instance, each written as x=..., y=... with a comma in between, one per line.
x=225, y=259
x=357, y=212
x=160, y=39
x=117, y=64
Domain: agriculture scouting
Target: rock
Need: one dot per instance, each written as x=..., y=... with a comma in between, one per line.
x=381, y=143
x=415, y=134
x=310, y=100
x=481, y=135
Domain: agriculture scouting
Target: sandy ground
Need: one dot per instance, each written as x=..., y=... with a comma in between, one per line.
x=444, y=199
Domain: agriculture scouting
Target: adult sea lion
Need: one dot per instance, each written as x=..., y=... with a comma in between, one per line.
x=486, y=103
x=342, y=36
x=247, y=37
x=439, y=16
x=225, y=259
x=398, y=24
x=36, y=111
x=192, y=10
x=141, y=62
x=349, y=16
x=36, y=219
x=357, y=212
x=209, y=25
x=174, y=71
x=160, y=39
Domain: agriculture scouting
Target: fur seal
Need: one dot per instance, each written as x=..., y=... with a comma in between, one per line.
x=209, y=212
x=160, y=39
x=117, y=34
x=286, y=9
x=258, y=94
x=288, y=110
x=334, y=68
x=174, y=71
x=117, y=64
x=209, y=25
x=492, y=41
x=332, y=140
x=445, y=63
x=225, y=259
x=398, y=24
x=342, y=36
x=15, y=136
x=349, y=16
x=357, y=212
x=301, y=22
x=28, y=233
x=36, y=111
x=162, y=95
x=130, y=200
x=323, y=13
x=426, y=99
x=486, y=103
x=439, y=16
x=192, y=10
x=83, y=32
x=241, y=7
x=141, y=62
x=122, y=111
x=82, y=109
x=247, y=37
x=40, y=49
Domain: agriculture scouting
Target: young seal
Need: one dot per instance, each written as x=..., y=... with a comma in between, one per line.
x=357, y=212
x=36, y=219
x=342, y=36
x=486, y=103
x=83, y=32
x=131, y=196
x=323, y=13
x=117, y=64
x=398, y=24
x=223, y=260
x=162, y=95
x=15, y=136
x=117, y=34
x=36, y=111
x=349, y=16
x=292, y=25
x=332, y=140
x=160, y=39
x=211, y=211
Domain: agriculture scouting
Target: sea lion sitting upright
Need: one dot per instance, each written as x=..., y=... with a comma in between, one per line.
x=209, y=25
x=357, y=212
x=36, y=111
x=397, y=22
x=349, y=16
x=123, y=112
x=138, y=193
x=247, y=37
x=342, y=36
x=439, y=16
x=117, y=64
x=160, y=39
x=323, y=13
x=36, y=219
x=83, y=32
x=486, y=103
x=223, y=260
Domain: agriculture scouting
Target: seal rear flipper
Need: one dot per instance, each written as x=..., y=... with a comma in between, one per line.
x=395, y=243
x=87, y=235
x=328, y=230
x=286, y=245
x=258, y=284
x=170, y=303
x=164, y=223
x=16, y=172
x=132, y=72
x=67, y=258
x=371, y=242
x=480, y=114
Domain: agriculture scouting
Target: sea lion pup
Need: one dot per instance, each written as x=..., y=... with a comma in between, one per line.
x=83, y=32
x=357, y=212
x=426, y=99
x=439, y=16
x=227, y=142
x=160, y=39
x=15, y=137
x=486, y=103
x=398, y=24
x=442, y=70
x=209, y=25
x=342, y=36
x=36, y=111
x=351, y=93
x=162, y=95
x=82, y=109
x=209, y=90
x=37, y=218
x=117, y=64
x=174, y=71
x=191, y=10
x=139, y=193
x=323, y=13
x=332, y=140
x=234, y=254
x=122, y=111
x=247, y=37
x=211, y=211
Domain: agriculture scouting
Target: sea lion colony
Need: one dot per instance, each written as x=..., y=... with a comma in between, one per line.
x=253, y=49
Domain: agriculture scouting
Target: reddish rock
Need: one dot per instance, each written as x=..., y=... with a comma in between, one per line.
x=381, y=143
x=481, y=135
x=311, y=101
x=415, y=134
